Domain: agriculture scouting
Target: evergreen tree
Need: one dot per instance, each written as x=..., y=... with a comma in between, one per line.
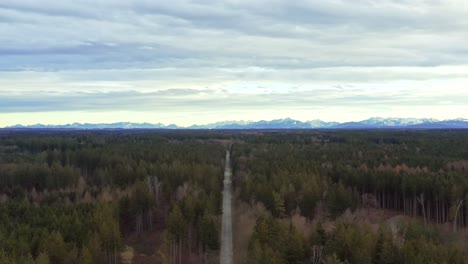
x=278, y=201
x=56, y=248
x=377, y=257
x=43, y=258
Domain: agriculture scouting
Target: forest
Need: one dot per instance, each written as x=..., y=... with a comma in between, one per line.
x=337, y=181
x=76, y=197
x=299, y=196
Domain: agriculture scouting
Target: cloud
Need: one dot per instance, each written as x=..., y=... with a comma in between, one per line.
x=272, y=34
x=208, y=55
x=227, y=100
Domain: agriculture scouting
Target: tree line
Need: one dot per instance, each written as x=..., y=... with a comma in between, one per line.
x=73, y=197
x=418, y=173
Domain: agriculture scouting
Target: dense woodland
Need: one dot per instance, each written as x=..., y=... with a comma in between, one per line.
x=72, y=197
x=76, y=196
x=422, y=174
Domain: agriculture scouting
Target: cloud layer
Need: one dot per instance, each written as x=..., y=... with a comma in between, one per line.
x=237, y=58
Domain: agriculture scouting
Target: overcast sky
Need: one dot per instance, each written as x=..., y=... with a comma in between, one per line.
x=185, y=62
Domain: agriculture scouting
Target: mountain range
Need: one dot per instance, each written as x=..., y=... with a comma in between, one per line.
x=287, y=123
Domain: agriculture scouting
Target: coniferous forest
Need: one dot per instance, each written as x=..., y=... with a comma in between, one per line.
x=298, y=196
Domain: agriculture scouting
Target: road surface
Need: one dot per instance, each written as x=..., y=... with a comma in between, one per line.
x=226, y=227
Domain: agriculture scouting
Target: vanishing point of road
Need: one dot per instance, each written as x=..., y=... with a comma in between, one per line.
x=226, y=254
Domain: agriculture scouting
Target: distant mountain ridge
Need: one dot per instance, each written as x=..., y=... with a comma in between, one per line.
x=287, y=123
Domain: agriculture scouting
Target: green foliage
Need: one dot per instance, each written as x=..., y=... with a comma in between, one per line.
x=351, y=242
x=57, y=232
x=176, y=224
x=56, y=248
x=320, y=236
x=307, y=172
x=92, y=251
x=55, y=183
x=423, y=251
x=209, y=233
x=56, y=161
x=87, y=257
x=274, y=241
x=427, y=232
x=310, y=198
x=278, y=208
x=385, y=251
x=107, y=227
x=329, y=172
x=340, y=199
x=43, y=258
x=333, y=259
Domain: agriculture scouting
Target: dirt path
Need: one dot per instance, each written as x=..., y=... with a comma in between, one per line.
x=226, y=254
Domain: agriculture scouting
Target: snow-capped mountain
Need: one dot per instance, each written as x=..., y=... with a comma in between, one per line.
x=221, y=125
x=395, y=122
x=379, y=122
x=317, y=123
x=287, y=123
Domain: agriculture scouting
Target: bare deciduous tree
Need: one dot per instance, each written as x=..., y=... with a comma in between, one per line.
x=421, y=201
x=458, y=205
x=398, y=234
x=317, y=255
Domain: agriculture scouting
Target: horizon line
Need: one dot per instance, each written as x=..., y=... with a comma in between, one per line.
x=237, y=121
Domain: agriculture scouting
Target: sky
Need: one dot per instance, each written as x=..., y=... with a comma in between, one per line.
x=197, y=62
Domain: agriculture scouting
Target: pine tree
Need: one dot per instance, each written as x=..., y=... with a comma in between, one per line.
x=209, y=233
x=108, y=230
x=320, y=235
x=176, y=226
x=94, y=246
x=56, y=248
x=294, y=246
x=87, y=257
x=334, y=260
x=279, y=209
x=43, y=258
x=378, y=251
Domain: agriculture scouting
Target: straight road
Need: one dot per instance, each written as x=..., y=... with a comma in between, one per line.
x=226, y=227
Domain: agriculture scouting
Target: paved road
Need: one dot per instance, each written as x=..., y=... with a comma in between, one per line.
x=226, y=228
